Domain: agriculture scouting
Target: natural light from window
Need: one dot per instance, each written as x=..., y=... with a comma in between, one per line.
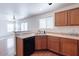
x=46, y=23
x=10, y=42
x=10, y=27
x=24, y=26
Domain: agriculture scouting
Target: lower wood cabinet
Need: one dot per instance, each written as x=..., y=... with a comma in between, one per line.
x=53, y=43
x=63, y=46
x=19, y=47
x=44, y=42
x=60, y=45
x=25, y=46
x=40, y=42
x=68, y=47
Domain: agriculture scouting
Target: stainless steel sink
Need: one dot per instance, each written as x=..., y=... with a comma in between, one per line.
x=73, y=34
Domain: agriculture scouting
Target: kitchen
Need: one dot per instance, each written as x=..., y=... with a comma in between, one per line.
x=39, y=29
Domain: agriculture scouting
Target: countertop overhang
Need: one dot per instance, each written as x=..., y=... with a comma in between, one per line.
x=26, y=35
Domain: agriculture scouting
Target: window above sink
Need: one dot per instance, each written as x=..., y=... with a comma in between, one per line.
x=45, y=23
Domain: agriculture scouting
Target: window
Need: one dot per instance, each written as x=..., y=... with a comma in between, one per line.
x=17, y=27
x=46, y=23
x=42, y=23
x=10, y=27
x=49, y=22
x=24, y=26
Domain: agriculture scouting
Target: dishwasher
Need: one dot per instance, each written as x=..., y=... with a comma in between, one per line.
x=28, y=45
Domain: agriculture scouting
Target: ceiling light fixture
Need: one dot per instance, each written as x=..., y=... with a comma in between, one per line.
x=50, y=3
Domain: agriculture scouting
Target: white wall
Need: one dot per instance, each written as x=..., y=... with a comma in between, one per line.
x=4, y=50
x=4, y=36
x=3, y=26
x=32, y=23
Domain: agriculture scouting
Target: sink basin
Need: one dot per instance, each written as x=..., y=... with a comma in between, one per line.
x=41, y=34
x=73, y=34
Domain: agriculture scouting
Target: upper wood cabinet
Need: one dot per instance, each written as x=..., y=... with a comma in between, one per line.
x=53, y=43
x=73, y=16
x=61, y=18
x=67, y=18
x=68, y=47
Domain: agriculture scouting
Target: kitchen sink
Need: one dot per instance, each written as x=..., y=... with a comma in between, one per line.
x=73, y=34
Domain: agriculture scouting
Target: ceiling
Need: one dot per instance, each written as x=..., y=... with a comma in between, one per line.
x=21, y=10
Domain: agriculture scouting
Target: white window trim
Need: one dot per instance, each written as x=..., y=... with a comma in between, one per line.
x=46, y=26
x=25, y=26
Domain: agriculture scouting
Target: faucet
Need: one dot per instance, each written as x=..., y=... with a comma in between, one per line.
x=44, y=32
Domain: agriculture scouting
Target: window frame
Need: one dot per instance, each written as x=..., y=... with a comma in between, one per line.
x=9, y=27
x=47, y=27
x=25, y=24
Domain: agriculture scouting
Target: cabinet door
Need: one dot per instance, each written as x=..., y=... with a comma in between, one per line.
x=44, y=42
x=68, y=47
x=61, y=18
x=38, y=43
x=19, y=47
x=53, y=43
x=73, y=16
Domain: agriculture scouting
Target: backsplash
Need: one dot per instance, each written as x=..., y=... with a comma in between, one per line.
x=65, y=29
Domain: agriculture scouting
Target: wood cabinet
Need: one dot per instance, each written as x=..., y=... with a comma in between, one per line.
x=44, y=42
x=53, y=43
x=67, y=18
x=63, y=46
x=19, y=47
x=25, y=46
x=60, y=45
x=73, y=16
x=37, y=42
x=40, y=42
x=68, y=47
x=61, y=18
x=78, y=47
